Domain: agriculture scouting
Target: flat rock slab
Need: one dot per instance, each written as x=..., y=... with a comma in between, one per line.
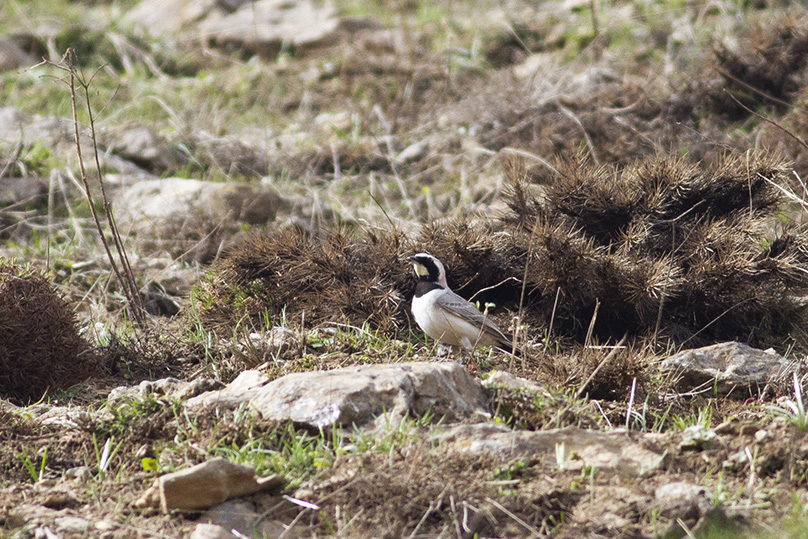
x=728, y=365
x=569, y=448
x=164, y=198
x=365, y=395
x=205, y=485
x=261, y=27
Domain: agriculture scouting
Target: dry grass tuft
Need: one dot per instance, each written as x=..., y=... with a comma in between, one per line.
x=437, y=493
x=763, y=67
x=326, y=278
x=696, y=243
x=40, y=348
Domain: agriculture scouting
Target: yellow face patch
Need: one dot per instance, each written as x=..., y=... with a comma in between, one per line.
x=420, y=269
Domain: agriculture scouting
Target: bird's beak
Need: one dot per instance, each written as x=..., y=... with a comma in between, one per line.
x=412, y=258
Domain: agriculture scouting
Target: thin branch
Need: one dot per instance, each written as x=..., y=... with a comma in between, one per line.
x=765, y=119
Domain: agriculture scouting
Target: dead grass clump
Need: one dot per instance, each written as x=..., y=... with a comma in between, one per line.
x=763, y=68
x=437, y=493
x=618, y=120
x=193, y=237
x=664, y=242
x=601, y=372
x=325, y=278
x=231, y=156
x=790, y=138
x=150, y=353
x=40, y=348
x=527, y=410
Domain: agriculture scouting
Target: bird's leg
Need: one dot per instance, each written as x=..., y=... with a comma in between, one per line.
x=467, y=355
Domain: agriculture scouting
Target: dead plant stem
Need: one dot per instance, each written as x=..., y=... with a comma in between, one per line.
x=125, y=276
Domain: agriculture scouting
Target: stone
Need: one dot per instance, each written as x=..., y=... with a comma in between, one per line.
x=570, y=448
x=264, y=27
x=65, y=417
x=23, y=514
x=681, y=500
x=698, y=437
x=72, y=524
x=728, y=365
x=413, y=152
x=24, y=189
x=365, y=395
x=243, y=517
x=170, y=388
x=205, y=485
x=246, y=386
x=210, y=531
x=105, y=525
x=44, y=532
x=59, y=498
x=12, y=56
x=237, y=515
x=506, y=380
x=144, y=147
x=56, y=134
x=17, y=127
x=153, y=206
x=169, y=17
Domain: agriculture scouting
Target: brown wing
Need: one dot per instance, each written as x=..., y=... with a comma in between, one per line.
x=465, y=310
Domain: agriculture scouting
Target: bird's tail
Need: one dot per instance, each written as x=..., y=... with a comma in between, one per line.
x=509, y=347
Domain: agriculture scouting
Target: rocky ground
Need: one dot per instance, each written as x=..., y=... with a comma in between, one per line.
x=618, y=183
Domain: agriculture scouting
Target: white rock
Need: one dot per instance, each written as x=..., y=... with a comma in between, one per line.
x=168, y=17
x=264, y=26
x=239, y=391
x=569, y=448
x=72, y=524
x=210, y=531
x=170, y=388
x=729, y=365
x=366, y=395
x=145, y=147
x=507, y=380
x=151, y=205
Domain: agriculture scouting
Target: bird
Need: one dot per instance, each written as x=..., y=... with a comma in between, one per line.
x=447, y=317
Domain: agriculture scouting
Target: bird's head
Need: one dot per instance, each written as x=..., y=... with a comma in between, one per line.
x=429, y=268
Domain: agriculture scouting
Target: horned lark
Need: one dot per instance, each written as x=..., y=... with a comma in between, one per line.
x=445, y=316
